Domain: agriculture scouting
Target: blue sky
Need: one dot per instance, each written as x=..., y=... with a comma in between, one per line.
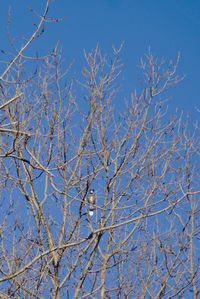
x=167, y=26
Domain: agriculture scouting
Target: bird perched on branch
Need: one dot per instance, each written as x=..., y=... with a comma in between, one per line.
x=91, y=200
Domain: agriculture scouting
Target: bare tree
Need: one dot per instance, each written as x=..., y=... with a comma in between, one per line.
x=59, y=139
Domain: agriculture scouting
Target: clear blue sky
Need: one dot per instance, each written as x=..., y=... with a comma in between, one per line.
x=166, y=26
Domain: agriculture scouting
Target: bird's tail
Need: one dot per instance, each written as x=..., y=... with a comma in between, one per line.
x=91, y=209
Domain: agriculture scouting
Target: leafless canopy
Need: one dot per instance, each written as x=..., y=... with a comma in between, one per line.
x=60, y=137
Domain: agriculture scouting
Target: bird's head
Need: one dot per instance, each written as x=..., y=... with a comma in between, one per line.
x=91, y=191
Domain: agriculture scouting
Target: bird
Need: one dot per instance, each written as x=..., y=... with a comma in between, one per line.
x=91, y=200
